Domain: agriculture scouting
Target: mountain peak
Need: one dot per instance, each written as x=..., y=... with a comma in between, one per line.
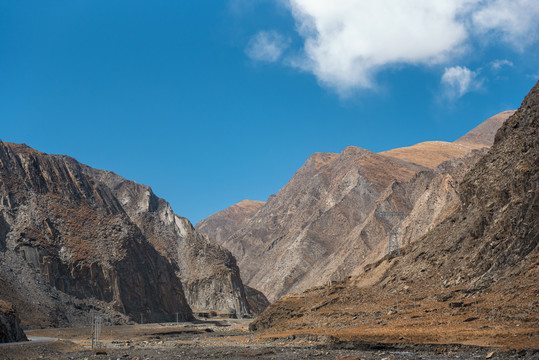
x=430, y=154
x=483, y=134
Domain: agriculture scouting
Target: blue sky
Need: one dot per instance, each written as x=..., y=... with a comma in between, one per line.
x=212, y=102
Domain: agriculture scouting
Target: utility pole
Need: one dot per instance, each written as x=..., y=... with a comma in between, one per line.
x=97, y=322
x=393, y=245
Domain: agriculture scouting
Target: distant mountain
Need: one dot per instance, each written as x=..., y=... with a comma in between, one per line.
x=223, y=223
x=322, y=225
x=484, y=133
x=430, y=154
x=75, y=240
x=474, y=276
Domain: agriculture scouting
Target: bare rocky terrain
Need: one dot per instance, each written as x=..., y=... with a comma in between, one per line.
x=322, y=225
x=472, y=279
x=75, y=240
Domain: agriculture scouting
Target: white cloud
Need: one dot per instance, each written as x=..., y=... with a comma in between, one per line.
x=498, y=64
x=267, y=46
x=459, y=80
x=515, y=21
x=347, y=42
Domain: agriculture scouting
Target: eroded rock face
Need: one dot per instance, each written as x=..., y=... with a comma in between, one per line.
x=322, y=225
x=10, y=329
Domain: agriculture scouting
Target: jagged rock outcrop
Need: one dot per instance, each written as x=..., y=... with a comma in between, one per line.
x=485, y=252
x=10, y=329
x=224, y=223
x=322, y=224
x=74, y=240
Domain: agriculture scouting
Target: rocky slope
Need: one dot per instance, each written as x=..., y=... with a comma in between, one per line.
x=322, y=225
x=74, y=240
x=472, y=275
x=10, y=329
x=224, y=223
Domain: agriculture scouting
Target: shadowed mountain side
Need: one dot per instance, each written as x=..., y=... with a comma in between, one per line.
x=486, y=249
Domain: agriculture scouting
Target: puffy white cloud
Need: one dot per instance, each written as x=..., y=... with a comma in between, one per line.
x=347, y=42
x=514, y=20
x=267, y=46
x=459, y=80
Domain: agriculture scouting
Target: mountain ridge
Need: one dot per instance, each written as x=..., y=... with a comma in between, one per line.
x=325, y=215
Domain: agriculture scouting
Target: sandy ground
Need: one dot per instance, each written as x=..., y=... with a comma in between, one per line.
x=229, y=339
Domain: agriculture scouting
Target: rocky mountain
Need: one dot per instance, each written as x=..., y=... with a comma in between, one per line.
x=473, y=276
x=323, y=225
x=208, y=272
x=74, y=239
x=224, y=223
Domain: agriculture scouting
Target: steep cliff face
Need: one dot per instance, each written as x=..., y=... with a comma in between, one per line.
x=69, y=231
x=10, y=329
x=323, y=225
x=484, y=255
x=210, y=276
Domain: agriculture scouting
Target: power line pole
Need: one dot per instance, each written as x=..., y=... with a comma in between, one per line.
x=393, y=245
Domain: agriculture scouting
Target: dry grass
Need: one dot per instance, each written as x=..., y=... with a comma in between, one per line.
x=429, y=154
x=371, y=317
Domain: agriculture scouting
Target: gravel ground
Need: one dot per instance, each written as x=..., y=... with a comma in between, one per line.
x=227, y=339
